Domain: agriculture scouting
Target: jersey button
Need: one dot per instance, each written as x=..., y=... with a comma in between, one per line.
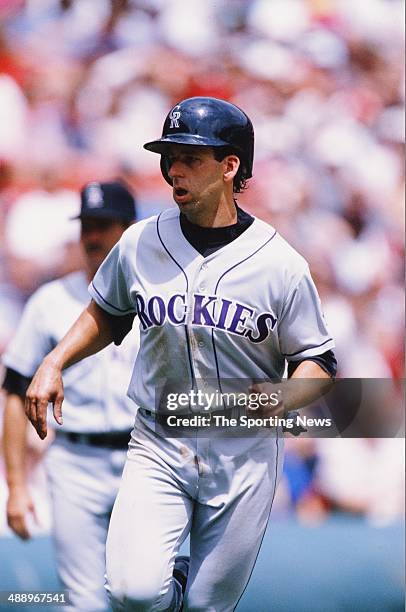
x=202, y=287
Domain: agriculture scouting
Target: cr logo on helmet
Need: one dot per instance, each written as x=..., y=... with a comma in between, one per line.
x=174, y=116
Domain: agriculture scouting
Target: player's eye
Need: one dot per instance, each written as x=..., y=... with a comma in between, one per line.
x=189, y=160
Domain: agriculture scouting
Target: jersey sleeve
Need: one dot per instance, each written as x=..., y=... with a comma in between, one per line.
x=110, y=286
x=302, y=329
x=31, y=342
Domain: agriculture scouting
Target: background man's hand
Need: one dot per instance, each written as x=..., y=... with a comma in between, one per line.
x=46, y=387
x=19, y=505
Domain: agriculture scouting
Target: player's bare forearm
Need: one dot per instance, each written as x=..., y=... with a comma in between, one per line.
x=308, y=382
x=89, y=334
x=316, y=382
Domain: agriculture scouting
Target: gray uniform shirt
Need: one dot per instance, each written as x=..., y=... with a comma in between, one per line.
x=237, y=314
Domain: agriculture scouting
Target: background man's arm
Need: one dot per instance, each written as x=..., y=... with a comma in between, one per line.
x=89, y=334
x=19, y=502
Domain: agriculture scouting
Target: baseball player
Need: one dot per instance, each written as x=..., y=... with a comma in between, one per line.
x=85, y=462
x=220, y=297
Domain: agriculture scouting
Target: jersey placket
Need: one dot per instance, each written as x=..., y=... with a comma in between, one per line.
x=197, y=334
x=199, y=284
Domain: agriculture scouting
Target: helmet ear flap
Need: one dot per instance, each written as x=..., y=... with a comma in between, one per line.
x=164, y=163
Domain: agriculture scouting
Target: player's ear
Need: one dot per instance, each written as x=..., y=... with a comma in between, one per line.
x=231, y=163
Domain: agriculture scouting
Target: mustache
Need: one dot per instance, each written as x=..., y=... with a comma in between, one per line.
x=94, y=247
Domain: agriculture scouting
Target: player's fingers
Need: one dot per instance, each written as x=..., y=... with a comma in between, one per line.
x=57, y=409
x=31, y=410
x=252, y=407
x=254, y=388
x=28, y=404
x=40, y=421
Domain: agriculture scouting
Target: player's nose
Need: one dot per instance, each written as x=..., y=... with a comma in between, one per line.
x=175, y=168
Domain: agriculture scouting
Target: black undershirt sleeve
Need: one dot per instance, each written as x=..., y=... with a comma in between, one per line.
x=326, y=361
x=16, y=383
x=120, y=326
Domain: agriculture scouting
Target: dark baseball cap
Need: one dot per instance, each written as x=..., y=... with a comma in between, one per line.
x=112, y=200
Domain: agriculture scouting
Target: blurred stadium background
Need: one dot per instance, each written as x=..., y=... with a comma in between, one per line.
x=84, y=84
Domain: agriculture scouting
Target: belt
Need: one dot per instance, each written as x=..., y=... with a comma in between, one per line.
x=113, y=439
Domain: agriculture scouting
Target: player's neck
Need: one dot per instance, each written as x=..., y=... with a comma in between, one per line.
x=223, y=215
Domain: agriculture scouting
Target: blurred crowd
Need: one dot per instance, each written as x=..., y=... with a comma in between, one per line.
x=84, y=84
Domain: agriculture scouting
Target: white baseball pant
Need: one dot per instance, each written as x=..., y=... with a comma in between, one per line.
x=83, y=481
x=220, y=490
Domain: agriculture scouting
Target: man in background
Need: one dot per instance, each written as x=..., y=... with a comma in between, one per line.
x=85, y=462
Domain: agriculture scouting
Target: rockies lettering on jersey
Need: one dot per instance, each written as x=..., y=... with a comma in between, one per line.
x=156, y=311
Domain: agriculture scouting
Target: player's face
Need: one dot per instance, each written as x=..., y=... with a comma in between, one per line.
x=98, y=236
x=197, y=177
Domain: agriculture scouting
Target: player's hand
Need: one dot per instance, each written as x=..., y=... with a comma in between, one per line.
x=19, y=505
x=46, y=387
x=294, y=393
x=265, y=400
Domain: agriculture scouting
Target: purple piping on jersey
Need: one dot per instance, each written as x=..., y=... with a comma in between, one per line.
x=245, y=259
x=216, y=360
x=189, y=352
x=267, y=520
x=127, y=311
x=215, y=292
x=307, y=349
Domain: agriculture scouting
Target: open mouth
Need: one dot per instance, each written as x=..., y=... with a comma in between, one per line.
x=179, y=191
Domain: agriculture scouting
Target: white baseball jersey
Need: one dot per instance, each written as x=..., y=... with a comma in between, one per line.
x=95, y=398
x=238, y=313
